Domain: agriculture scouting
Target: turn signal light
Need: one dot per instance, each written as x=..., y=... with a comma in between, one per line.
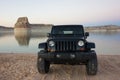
x=82, y=49
x=51, y=50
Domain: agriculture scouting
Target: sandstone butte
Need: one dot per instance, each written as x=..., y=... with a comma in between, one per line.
x=22, y=22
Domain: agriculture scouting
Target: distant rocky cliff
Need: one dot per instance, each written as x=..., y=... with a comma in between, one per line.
x=22, y=22
x=23, y=26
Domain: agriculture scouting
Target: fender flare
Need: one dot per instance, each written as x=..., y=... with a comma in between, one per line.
x=90, y=45
x=42, y=46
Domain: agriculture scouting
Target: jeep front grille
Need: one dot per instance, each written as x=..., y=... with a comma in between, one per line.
x=65, y=45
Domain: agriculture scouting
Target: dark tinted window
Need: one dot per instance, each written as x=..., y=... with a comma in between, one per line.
x=67, y=29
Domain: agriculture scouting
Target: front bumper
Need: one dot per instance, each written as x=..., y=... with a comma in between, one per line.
x=67, y=56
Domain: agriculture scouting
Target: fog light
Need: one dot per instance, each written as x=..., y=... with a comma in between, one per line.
x=51, y=50
x=58, y=56
x=72, y=56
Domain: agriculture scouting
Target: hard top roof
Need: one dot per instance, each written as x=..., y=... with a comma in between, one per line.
x=67, y=25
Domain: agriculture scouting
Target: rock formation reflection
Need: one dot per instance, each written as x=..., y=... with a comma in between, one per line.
x=22, y=36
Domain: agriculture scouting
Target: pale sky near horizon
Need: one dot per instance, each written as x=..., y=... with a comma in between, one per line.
x=86, y=12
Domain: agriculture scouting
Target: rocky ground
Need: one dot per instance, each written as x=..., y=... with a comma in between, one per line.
x=23, y=67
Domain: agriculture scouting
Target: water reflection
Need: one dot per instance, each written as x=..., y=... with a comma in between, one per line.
x=22, y=35
x=6, y=33
x=106, y=42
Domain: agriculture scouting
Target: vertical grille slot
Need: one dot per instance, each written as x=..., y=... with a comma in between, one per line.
x=65, y=45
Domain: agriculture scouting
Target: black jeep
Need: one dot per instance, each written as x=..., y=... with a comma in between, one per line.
x=67, y=44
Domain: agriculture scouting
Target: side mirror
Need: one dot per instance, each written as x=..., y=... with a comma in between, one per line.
x=86, y=34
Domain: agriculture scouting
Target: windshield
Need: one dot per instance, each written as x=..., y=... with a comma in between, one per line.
x=75, y=29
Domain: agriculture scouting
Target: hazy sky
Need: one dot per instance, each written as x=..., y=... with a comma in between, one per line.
x=86, y=12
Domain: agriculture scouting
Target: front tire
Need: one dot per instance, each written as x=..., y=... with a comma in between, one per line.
x=43, y=66
x=92, y=66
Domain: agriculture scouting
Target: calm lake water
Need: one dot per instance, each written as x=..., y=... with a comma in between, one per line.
x=26, y=41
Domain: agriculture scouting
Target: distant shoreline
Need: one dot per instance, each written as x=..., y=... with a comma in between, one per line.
x=88, y=28
x=105, y=28
x=102, y=30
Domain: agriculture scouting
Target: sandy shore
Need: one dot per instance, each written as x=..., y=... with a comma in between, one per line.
x=23, y=67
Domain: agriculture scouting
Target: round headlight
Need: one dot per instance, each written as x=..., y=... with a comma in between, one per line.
x=80, y=43
x=51, y=43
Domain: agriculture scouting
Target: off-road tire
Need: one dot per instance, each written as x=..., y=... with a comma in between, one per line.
x=92, y=66
x=43, y=66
